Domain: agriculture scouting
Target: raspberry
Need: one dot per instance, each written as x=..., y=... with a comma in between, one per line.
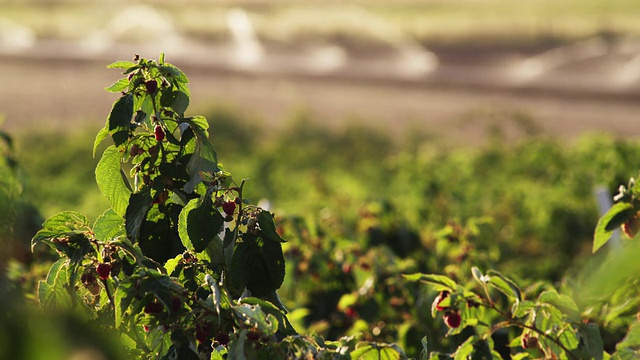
x=202, y=332
x=151, y=85
x=176, y=304
x=159, y=133
x=350, y=312
x=452, y=319
x=229, y=207
x=103, y=271
x=632, y=226
x=153, y=308
x=222, y=338
x=529, y=342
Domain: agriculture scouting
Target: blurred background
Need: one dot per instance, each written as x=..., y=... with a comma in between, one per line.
x=475, y=131
x=573, y=65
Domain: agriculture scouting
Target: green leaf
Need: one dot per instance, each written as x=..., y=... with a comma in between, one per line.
x=561, y=302
x=62, y=225
x=213, y=253
x=375, y=351
x=102, y=134
x=204, y=159
x=616, y=216
x=631, y=340
x=118, y=86
x=119, y=119
x=268, y=227
x=439, y=280
x=171, y=264
x=257, y=264
x=52, y=293
x=504, y=285
x=108, y=225
x=124, y=294
x=199, y=223
x=591, y=341
x=121, y=65
x=174, y=73
x=465, y=349
x=136, y=213
x=111, y=182
x=200, y=123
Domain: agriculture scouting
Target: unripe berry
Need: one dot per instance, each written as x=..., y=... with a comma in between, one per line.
x=452, y=319
x=103, y=271
x=159, y=133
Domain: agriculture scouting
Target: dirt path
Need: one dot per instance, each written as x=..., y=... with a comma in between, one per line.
x=38, y=93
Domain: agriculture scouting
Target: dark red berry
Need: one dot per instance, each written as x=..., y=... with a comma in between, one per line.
x=529, y=342
x=135, y=150
x=253, y=336
x=153, y=308
x=176, y=304
x=103, y=271
x=222, y=338
x=146, y=328
x=452, y=319
x=229, y=207
x=350, y=312
x=347, y=268
x=159, y=133
x=437, y=303
x=202, y=332
x=151, y=85
x=632, y=226
x=88, y=278
x=153, y=151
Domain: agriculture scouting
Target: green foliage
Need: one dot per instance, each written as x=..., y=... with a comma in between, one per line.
x=181, y=265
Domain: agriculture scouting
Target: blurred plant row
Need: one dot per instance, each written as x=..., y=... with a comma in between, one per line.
x=361, y=211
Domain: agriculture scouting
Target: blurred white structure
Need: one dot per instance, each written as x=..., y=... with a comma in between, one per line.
x=139, y=23
x=538, y=65
x=248, y=50
x=15, y=37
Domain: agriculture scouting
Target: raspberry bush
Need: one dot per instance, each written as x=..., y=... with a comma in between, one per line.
x=182, y=265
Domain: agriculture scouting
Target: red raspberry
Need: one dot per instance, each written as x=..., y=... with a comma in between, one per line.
x=452, y=319
x=529, y=342
x=202, y=332
x=632, y=226
x=159, y=133
x=153, y=308
x=103, y=270
x=229, y=207
x=151, y=85
x=176, y=304
x=222, y=338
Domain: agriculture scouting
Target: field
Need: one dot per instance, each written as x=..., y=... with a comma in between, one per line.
x=420, y=220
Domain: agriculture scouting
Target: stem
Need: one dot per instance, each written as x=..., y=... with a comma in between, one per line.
x=510, y=321
x=106, y=289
